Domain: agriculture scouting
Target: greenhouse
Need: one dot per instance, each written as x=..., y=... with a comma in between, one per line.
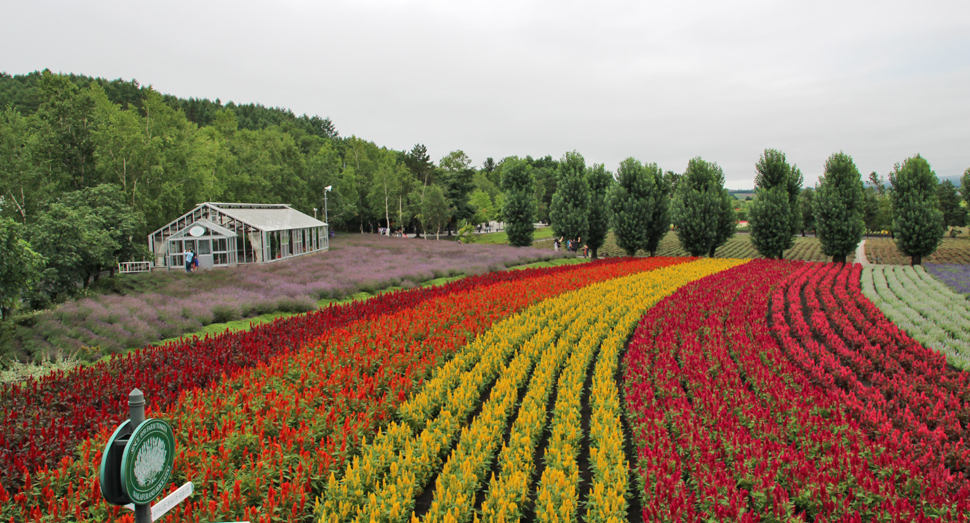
x=227, y=234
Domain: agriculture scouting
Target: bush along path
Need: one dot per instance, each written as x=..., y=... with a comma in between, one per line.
x=729, y=427
x=260, y=443
x=441, y=447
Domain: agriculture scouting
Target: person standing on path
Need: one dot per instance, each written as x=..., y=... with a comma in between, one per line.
x=188, y=260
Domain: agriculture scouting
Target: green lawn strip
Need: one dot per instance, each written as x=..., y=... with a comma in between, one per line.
x=501, y=238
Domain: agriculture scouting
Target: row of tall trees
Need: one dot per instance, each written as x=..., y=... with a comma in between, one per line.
x=640, y=203
x=917, y=208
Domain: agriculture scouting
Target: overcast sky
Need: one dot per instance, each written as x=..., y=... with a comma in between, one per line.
x=662, y=82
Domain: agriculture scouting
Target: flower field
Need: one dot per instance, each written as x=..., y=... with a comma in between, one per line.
x=667, y=389
x=739, y=246
x=922, y=306
x=259, y=443
x=145, y=308
x=555, y=343
x=950, y=251
x=33, y=434
x=956, y=277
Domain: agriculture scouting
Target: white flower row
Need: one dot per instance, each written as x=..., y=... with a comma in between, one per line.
x=924, y=307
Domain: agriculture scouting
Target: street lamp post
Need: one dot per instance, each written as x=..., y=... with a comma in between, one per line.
x=315, y=212
x=325, y=218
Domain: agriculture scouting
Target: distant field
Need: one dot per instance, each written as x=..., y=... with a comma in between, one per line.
x=740, y=246
x=951, y=251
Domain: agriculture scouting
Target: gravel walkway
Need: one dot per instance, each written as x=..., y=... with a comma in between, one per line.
x=860, y=254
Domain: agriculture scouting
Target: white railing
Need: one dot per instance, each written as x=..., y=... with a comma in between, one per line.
x=132, y=267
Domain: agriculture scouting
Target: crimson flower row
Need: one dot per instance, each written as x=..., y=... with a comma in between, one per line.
x=892, y=385
x=727, y=427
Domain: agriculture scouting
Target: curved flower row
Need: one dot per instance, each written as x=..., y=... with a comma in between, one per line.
x=263, y=441
x=558, y=497
x=43, y=420
x=925, y=308
x=421, y=451
x=728, y=427
x=892, y=385
x=578, y=325
x=422, y=454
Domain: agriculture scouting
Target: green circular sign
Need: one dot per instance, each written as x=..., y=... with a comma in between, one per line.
x=147, y=461
x=110, y=472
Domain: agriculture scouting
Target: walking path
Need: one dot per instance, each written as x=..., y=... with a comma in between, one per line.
x=860, y=254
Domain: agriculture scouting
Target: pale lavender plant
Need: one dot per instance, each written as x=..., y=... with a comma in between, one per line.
x=169, y=303
x=956, y=277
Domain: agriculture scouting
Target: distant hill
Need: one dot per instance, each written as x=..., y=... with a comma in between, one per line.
x=23, y=94
x=742, y=193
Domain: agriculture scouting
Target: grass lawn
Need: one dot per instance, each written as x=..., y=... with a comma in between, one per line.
x=500, y=238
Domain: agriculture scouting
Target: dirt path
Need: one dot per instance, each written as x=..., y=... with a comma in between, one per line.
x=860, y=254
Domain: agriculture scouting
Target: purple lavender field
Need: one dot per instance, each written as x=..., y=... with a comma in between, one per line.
x=146, y=308
x=956, y=277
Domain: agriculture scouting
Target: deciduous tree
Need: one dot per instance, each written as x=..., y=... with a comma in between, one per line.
x=458, y=182
x=917, y=219
x=600, y=180
x=954, y=215
x=838, y=207
x=570, y=204
x=122, y=223
x=484, y=208
x=435, y=211
x=75, y=242
x=20, y=266
x=519, y=207
x=702, y=213
x=774, y=215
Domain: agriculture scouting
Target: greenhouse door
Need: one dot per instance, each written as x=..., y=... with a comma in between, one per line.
x=205, y=254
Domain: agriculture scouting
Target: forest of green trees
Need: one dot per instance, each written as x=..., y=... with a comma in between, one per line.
x=89, y=167
x=150, y=157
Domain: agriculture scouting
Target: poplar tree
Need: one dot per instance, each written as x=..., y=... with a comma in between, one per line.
x=659, y=223
x=702, y=212
x=954, y=215
x=806, y=201
x=631, y=205
x=775, y=215
x=519, y=208
x=600, y=181
x=917, y=219
x=569, y=210
x=838, y=207
x=965, y=186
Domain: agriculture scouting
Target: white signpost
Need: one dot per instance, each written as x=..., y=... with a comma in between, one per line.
x=162, y=507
